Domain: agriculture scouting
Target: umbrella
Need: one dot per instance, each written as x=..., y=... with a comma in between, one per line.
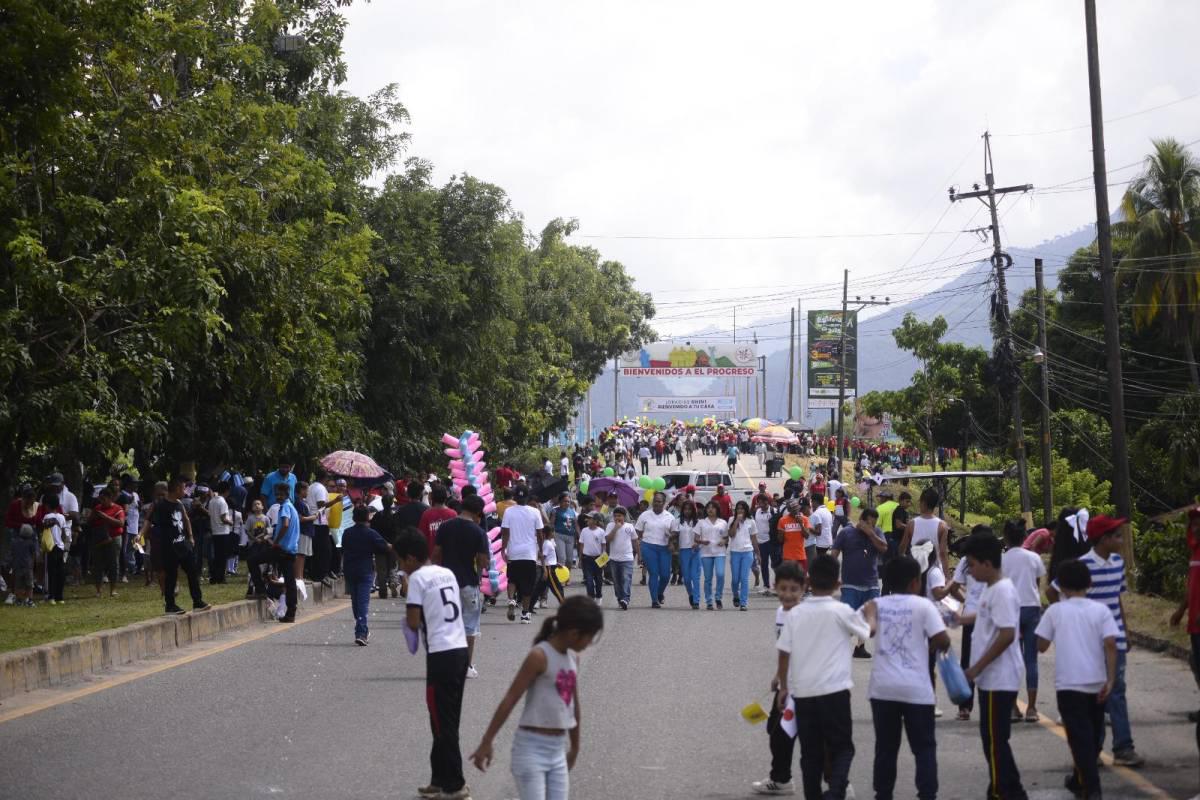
x=626, y=495
x=776, y=434
x=755, y=423
x=350, y=464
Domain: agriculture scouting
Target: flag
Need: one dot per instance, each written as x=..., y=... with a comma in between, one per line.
x=787, y=720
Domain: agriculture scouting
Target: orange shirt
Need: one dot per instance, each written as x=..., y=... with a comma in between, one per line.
x=794, y=532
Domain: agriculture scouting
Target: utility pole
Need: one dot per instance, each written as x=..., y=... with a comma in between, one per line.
x=1001, y=261
x=762, y=360
x=858, y=301
x=800, y=326
x=791, y=367
x=1042, y=357
x=616, y=388
x=1108, y=287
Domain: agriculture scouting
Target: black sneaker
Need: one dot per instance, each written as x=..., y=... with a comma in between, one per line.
x=174, y=611
x=202, y=607
x=288, y=618
x=861, y=652
x=360, y=641
x=719, y=606
x=655, y=605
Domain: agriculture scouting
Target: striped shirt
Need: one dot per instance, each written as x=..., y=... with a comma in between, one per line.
x=1108, y=583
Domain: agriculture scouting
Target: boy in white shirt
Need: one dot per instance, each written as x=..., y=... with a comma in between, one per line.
x=819, y=679
x=433, y=611
x=996, y=664
x=789, y=584
x=1026, y=570
x=591, y=541
x=907, y=626
x=623, y=548
x=1085, y=669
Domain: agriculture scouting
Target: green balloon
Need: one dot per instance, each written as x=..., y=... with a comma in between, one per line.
x=660, y=484
x=854, y=501
x=796, y=473
x=583, y=487
x=609, y=472
x=646, y=482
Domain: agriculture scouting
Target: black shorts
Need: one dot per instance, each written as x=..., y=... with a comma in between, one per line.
x=523, y=575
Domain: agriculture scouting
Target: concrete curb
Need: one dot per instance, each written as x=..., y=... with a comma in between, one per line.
x=72, y=659
x=1156, y=645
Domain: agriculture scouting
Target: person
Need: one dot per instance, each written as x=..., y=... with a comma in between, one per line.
x=731, y=458
x=1070, y=539
x=764, y=539
x=900, y=517
x=656, y=526
x=564, y=464
x=793, y=529
x=996, y=664
x=132, y=503
x=907, y=626
x=591, y=542
x=966, y=590
x=859, y=547
x=56, y=523
x=1107, y=569
x=712, y=534
x=887, y=509
x=1025, y=569
x=221, y=526
x=789, y=587
x=566, y=530
x=432, y=610
x=724, y=502
x=820, y=538
x=547, y=575
x=436, y=514
x=624, y=550
x=546, y=743
x=521, y=534
x=283, y=475
x=644, y=458
x=23, y=554
x=1085, y=670
x=282, y=552
x=819, y=679
x=360, y=544
x=1190, y=604
x=689, y=551
x=462, y=547
x=173, y=539
x=928, y=527
x=338, y=503
x=106, y=529
x=742, y=554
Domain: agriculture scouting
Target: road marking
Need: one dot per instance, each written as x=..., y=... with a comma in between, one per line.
x=125, y=677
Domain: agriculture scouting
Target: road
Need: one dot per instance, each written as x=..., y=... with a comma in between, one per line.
x=304, y=713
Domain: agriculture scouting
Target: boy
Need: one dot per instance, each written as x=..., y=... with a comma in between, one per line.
x=25, y=547
x=789, y=586
x=623, y=547
x=1026, y=570
x=360, y=545
x=591, y=540
x=433, y=610
x=282, y=552
x=820, y=681
x=1085, y=670
x=996, y=665
x=60, y=533
x=860, y=547
x=901, y=694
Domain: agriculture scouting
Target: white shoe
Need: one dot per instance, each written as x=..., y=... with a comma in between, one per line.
x=526, y=619
x=937, y=712
x=8, y=601
x=472, y=672
x=849, y=791
x=541, y=604
x=771, y=787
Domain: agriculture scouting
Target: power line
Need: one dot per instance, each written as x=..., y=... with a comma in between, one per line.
x=1113, y=119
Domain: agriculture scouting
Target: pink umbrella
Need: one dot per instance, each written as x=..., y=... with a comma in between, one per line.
x=350, y=464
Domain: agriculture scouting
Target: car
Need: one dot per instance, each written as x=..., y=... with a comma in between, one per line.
x=706, y=483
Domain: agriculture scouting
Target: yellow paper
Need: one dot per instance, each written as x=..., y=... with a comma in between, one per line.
x=601, y=560
x=754, y=713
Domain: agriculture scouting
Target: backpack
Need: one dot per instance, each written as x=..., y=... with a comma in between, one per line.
x=47, y=539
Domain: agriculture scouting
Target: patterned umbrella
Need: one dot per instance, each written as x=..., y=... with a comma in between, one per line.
x=775, y=434
x=349, y=464
x=755, y=423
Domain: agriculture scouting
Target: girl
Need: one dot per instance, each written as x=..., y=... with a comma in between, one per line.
x=689, y=553
x=742, y=552
x=547, y=740
x=712, y=534
x=548, y=579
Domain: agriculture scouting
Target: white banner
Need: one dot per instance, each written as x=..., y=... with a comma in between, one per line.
x=692, y=360
x=686, y=405
x=830, y=402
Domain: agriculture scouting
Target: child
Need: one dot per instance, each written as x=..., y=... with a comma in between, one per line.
x=623, y=547
x=360, y=544
x=1085, y=669
x=546, y=743
x=820, y=680
x=60, y=533
x=907, y=626
x=996, y=664
x=24, y=553
x=789, y=585
x=432, y=609
x=591, y=539
x=548, y=577
x=966, y=590
x=258, y=531
x=1025, y=569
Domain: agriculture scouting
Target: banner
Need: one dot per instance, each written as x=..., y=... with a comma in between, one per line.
x=824, y=356
x=692, y=360
x=687, y=405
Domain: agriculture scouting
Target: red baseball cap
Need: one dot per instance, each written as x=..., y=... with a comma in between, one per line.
x=1101, y=524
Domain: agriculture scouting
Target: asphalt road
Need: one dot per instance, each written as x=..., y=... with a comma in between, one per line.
x=305, y=713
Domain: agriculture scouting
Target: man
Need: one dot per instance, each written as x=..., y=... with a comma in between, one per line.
x=900, y=518
x=1108, y=584
x=760, y=451
x=322, y=544
x=201, y=525
x=133, y=522
x=859, y=547
x=385, y=524
x=822, y=528
x=724, y=503
x=644, y=458
x=887, y=510
x=221, y=525
x=436, y=514
x=282, y=475
x=522, y=532
x=284, y=541
x=177, y=545
x=462, y=547
x=731, y=457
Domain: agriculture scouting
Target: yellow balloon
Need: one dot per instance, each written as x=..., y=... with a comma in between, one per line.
x=564, y=575
x=649, y=495
x=830, y=505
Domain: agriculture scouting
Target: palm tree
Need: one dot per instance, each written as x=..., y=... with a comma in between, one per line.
x=1161, y=223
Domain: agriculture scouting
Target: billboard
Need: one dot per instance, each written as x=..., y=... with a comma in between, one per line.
x=692, y=360
x=825, y=357
x=687, y=405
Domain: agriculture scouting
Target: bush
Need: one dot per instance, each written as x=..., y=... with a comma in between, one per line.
x=1162, y=557
x=1000, y=500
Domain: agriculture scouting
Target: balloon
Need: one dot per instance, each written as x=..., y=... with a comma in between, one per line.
x=490, y=508
x=796, y=472
x=646, y=482
x=563, y=574
x=854, y=501
x=649, y=495
x=459, y=482
x=660, y=484
x=450, y=440
x=452, y=453
x=830, y=505
x=583, y=486
x=609, y=472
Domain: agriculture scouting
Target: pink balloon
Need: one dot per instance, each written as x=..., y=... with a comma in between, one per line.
x=490, y=508
x=481, y=477
x=459, y=482
x=452, y=452
x=447, y=439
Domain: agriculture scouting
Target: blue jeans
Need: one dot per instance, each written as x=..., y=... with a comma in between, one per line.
x=1118, y=711
x=739, y=567
x=539, y=765
x=689, y=568
x=360, y=587
x=711, y=563
x=593, y=577
x=1030, y=617
x=857, y=598
x=622, y=575
x=657, y=559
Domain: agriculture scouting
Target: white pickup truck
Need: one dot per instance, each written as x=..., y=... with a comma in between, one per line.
x=706, y=483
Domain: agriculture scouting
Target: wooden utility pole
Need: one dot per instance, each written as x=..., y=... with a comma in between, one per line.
x=858, y=301
x=791, y=367
x=1047, y=481
x=616, y=388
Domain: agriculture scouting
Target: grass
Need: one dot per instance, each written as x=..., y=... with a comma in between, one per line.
x=1149, y=615
x=85, y=613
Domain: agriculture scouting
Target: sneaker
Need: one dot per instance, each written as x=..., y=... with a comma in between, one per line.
x=709, y=606
x=541, y=604
x=30, y=604
x=861, y=652
x=719, y=606
x=8, y=601
x=462, y=794
x=512, y=610
x=1128, y=758
x=288, y=618
x=328, y=584
x=472, y=672
x=655, y=605
x=526, y=619
x=767, y=593
x=51, y=601
x=937, y=712
x=695, y=606
x=771, y=787
x=742, y=608
x=202, y=607
x=600, y=602
x=624, y=606
x=429, y=791
x=360, y=641
x=175, y=611
x=124, y=579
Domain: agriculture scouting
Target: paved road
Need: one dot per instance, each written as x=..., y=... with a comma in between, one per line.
x=305, y=713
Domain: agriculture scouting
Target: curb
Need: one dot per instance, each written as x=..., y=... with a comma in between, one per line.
x=1156, y=645
x=73, y=659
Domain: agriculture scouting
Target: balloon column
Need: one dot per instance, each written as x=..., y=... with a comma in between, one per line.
x=467, y=468
x=498, y=568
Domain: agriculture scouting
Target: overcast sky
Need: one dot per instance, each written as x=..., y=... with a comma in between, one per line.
x=779, y=119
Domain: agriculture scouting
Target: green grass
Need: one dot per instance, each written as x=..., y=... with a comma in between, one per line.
x=85, y=613
x=1149, y=615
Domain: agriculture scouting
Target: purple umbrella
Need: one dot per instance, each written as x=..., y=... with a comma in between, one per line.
x=627, y=495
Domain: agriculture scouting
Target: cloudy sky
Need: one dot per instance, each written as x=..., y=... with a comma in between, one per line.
x=743, y=154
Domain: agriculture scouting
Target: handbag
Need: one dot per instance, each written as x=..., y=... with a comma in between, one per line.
x=182, y=546
x=953, y=677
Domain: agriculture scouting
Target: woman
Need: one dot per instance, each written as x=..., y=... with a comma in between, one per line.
x=689, y=552
x=712, y=534
x=742, y=553
x=928, y=528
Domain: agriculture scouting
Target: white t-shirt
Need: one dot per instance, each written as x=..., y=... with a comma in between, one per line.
x=712, y=531
x=819, y=630
x=822, y=522
x=687, y=534
x=592, y=540
x=68, y=504
x=656, y=528
x=218, y=508
x=57, y=524
x=934, y=579
x=434, y=590
x=522, y=523
x=621, y=546
x=548, y=467
x=973, y=589
x=762, y=525
x=742, y=537
x=1078, y=627
x=998, y=608
x=133, y=515
x=549, y=553
x=1024, y=568
x=318, y=494
x=564, y=466
x=781, y=615
x=900, y=668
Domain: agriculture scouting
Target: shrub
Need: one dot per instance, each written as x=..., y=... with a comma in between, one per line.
x=1162, y=557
